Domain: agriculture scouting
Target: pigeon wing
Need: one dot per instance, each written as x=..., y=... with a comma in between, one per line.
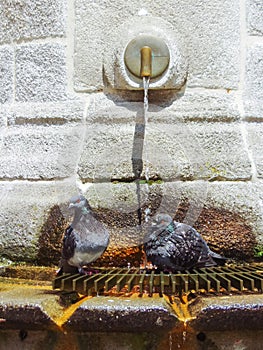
x=69, y=243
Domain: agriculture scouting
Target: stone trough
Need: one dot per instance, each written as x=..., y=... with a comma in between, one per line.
x=34, y=315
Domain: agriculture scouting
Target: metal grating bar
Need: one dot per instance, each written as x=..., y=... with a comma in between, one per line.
x=151, y=282
x=217, y=279
x=133, y=280
x=204, y=283
x=66, y=283
x=194, y=282
x=141, y=281
x=121, y=282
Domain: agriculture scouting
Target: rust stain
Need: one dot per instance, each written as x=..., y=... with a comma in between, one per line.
x=61, y=319
x=181, y=309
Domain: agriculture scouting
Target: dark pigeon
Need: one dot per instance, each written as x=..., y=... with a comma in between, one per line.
x=173, y=246
x=85, y=239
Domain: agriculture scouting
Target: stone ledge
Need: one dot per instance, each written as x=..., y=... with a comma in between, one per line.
x=36, y=307
x=229, y=313
x=122, y=315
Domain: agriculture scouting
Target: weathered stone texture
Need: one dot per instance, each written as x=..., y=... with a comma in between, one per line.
x=24, y=207
x=174, y=151
x=106, y=152
x=197, y=151
x=194, y=146
x=30, y=19
x=50, y=113
x=203, y=105
x=243, y=198
x=40, y=73
x=209, y=32
x=39, y=152
x=255, y=142
x=169, y=107
x=253, y=94
x=254, y=17
x=6, y=74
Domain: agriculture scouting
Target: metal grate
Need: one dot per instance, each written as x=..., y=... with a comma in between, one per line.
x=217, y=279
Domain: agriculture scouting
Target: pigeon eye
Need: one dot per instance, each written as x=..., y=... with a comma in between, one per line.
x=78, y=201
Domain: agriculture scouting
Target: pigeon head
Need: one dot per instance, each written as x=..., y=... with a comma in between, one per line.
x=78, y=202
x=161, y=220
x=158, y=225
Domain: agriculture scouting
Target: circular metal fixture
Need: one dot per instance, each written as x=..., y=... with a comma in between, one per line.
x=160, y=55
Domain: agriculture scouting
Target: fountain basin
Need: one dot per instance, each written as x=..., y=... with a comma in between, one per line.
x=32, y=313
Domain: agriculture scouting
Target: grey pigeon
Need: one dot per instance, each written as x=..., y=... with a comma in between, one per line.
x=85, y=239
x=173, y=246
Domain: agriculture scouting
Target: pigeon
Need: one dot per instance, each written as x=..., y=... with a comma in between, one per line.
x=85, y=239
x=174, y=246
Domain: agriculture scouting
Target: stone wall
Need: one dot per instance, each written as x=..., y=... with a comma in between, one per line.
x=65, y=128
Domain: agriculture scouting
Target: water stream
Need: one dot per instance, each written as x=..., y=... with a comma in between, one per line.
x=140, y=154
x=146, y=82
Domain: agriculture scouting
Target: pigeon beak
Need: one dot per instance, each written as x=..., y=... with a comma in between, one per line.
x=71, y=205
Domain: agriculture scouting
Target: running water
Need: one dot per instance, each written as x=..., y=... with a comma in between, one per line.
x=146, y=82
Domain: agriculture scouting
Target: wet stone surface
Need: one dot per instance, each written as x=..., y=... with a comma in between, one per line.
x=229, y=313
x=123, y=315
x=33, y=316
x=38, y=307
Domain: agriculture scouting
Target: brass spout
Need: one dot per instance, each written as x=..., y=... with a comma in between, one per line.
x=146, y=61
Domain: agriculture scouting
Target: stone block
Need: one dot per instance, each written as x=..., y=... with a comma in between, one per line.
x=107, y=152
x=50, y=113
x=191, y=105
x=254, y=17
x=174, y=151
x=24, y=209
x=197, y=105
x=208, y=31
x=6, y=74
x=243, y=198
x=255, y=143
x=219, y=151
x=40, y=73
x=4, y=115
x=253, y=92
x=212, y=41
x=31, y=19
x=39, y=152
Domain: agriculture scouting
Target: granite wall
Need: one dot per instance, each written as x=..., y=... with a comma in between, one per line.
x=65, y=127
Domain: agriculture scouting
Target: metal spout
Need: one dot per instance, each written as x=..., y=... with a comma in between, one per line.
x=146, y=61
